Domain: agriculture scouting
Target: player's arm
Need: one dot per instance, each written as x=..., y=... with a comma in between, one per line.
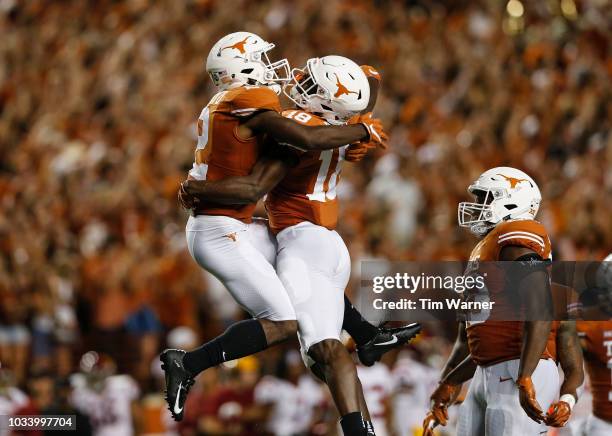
x=461, y=373
x=374, y=79
x=267, y=172
x=357, y=151
x=570, y=357
x=459, y=352
x=286, y=131
x=448, y=390
x=534, y=291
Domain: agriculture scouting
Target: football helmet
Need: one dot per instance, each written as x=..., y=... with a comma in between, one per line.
x=604, y=272
x=501, y=193
x=241, y=58
x=333, y=86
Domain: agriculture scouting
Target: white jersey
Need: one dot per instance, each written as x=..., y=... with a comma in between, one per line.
x=11, y=400
x=377, y=388
x=110, y=409
x=413, y=383
x=293, y=406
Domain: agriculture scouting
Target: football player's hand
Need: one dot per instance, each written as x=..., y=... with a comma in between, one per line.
x=527, y=398
x=186, y=199
x=558, y=414
x=429, y=423
x=356, y=152
x=370, y=71
x=444, y=396
x=374, y=127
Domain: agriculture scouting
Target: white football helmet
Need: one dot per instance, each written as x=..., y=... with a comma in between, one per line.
x=604, y=273
x=241, y=58
x=333, y=86
x=502, y=193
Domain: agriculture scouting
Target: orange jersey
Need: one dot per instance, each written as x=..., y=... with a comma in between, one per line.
x=308, y=191
x=597, y=342
x=220, y=153
x=492, y=341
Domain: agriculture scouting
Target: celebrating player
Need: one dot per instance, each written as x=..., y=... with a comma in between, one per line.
x=596, y=338
x=567, y=353
x=224, y=239
x=303, y=212
x=515, y=378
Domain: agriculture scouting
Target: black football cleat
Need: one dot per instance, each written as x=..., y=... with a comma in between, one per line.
x=385, y=340
x=178, y=381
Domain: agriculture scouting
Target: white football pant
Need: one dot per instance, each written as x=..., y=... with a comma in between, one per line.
x=314, y=265
x=492, y=406
x=242, y=257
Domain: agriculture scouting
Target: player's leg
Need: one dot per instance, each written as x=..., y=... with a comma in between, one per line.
x=314, y=265
x=372, y=341
x=360, y=329
x=504, y=414
x=471, y=420
x=222, y=246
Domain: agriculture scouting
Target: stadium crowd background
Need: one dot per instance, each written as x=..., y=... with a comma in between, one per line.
x=98, y=103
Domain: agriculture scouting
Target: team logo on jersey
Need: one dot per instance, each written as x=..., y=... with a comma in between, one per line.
x=342, y=90
x=513, y=181
x=238, y=46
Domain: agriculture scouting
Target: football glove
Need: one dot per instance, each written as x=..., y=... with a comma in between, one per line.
x=444, y=396
x=356, y=152
x=429, y=424
x=527, y=398
x=370, y=71
x=374, y=127
x=558, y=414
x=187, y=200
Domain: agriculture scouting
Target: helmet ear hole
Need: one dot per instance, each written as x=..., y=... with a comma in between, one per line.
x=510, y=206
x=247, y=71
x=327, y=108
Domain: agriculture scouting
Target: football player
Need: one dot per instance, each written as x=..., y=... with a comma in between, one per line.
x=224, y=239
x=107, y=398
x=303, y=211
x=515, y=376
x=596, y=338
x=568, y=354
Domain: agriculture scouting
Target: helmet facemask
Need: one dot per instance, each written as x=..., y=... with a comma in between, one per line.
x=480, y=216
x=275, y=72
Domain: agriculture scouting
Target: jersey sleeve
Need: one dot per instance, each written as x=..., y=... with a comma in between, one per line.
x=525, y=233
x=305, y=118
x=250, y=100
x=370, y=71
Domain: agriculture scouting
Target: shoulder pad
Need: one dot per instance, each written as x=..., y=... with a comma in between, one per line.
x=247, y=100
x=524, y=233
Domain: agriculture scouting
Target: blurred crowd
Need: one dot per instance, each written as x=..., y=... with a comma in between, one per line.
x=98, y=104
